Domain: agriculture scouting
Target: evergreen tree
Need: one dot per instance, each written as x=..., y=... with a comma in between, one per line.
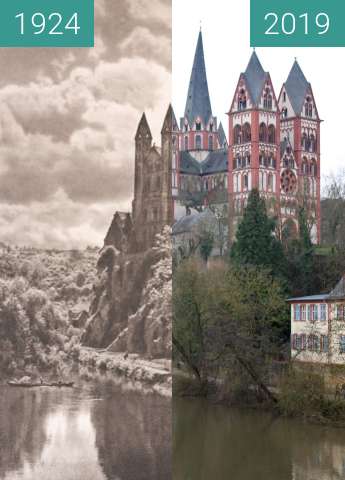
x=300, y=255
x=255, y=242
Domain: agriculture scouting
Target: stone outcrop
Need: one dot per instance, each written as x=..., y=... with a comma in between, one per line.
x=131, y=304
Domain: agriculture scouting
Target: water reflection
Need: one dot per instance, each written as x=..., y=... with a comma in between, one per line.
x=98, y=432
x=213, y=442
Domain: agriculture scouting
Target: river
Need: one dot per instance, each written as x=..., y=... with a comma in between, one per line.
x=212, y=442
x=95, y=431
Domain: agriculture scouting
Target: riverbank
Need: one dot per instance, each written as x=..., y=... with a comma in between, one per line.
x=152, y=374
x=299, y=394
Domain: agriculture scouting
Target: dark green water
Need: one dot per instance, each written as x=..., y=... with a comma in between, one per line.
x=215, y=443
x=96, y=431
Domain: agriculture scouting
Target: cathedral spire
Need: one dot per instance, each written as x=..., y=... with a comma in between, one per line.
x=198, y=100
x=255, y=77
x=143, y=130
x=296, y=87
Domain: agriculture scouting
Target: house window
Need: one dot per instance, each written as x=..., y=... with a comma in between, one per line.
x=297, y=312
x=315, y=313
x=324, y=343
x=309, y=313
x=313, y=343
x=342, y=344
x=198, y=142
x=303, y=313
x=340, y=312
x=323, y=312
x=303, y=341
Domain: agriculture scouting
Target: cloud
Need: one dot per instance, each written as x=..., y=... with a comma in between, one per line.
x=67, y=125
x=142, y=43
x=151, y=10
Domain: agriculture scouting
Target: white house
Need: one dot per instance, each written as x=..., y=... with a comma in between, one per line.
x=318, y=327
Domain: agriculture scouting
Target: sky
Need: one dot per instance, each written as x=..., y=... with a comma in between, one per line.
x=225, y=26
x=67, y=123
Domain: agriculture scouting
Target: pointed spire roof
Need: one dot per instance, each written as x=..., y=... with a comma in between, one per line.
x=198, y=99
x=170, y=123
x=255, y=77
x=221, y=136
x=143, y=128
x=296, y=87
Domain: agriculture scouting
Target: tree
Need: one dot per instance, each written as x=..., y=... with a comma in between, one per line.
x=300, y=254
x=189, y=328
x=255, y=242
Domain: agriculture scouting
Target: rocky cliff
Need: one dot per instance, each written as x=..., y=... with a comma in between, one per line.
x=131, y=305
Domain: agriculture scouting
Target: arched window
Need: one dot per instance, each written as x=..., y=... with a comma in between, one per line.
x=308, y=108
x=246, y=133
x=210, y=142
x=245, y=181
x=305, y=166
x=270, y=182
x=242, y=100
x=263, y=133
x=312, y=143
x=271, y=134
x=186, y=142
x=237, y=135
x=313, y=168
x=261, y=181
x=198, y=126
x=238, y=162
x=158, y=183
x=198, y=142
x=304, y=141
x=284, y=112
x=268, y=99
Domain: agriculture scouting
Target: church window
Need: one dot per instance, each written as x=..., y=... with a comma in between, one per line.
x=245, y=181
x=270, y=182
x=268, y=99
x=210, y=142
x=305, y=166
x=246, y=133
x=271, y=134
x=304, y=141
x=198, y=142
x=308, y=108
x=261, y=181
x=237, y=135
x=186, y=143
x=238, y=162
x=312, y=144
x=263, y=133
x=313, y=168
x=242, y=100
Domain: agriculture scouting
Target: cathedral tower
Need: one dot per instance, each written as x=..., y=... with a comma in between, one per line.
x=300, y=164
x=254, y=142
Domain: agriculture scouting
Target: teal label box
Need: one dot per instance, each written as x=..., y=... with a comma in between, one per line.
x=297, y=23
x=47, y=23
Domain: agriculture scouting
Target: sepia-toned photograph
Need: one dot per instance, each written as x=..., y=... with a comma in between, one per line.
x=85, y=252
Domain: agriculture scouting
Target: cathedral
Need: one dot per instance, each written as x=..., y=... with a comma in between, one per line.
x=273, y=145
